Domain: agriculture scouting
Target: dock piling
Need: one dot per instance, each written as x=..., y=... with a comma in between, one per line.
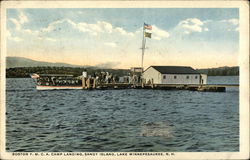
x=88, y=83
x=83, y=83
x=94, y=83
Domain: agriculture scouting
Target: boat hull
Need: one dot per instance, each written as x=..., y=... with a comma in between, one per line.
x=57, y=87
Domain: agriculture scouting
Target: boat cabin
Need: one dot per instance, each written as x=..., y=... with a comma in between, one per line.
x=58, y=80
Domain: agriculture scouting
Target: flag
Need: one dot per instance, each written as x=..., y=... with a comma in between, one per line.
x=147, y=26
x=147, y=34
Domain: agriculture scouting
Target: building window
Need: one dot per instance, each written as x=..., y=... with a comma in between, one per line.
x=196, y=77
x=175, y=77
x=164, y=77
x=187, y=77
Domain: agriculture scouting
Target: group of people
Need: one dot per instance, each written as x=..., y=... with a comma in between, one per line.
x=106, y=77
x=101, y=77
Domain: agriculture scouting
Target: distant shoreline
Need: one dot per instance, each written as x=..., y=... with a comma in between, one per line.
x=24, y=72
x=29, y=77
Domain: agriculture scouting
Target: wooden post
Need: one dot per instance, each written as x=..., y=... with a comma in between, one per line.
x=94, y=83
x=88, y=83
x=83, y=83
x=152, y=84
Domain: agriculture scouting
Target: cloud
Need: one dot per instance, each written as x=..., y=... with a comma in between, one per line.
x=232, y=21
x=110, y=44
x=92, y=29
x=47, y=39
x=231, y=24
x=16, y=23
x=206, y=29
x=158, y=33
x=70, y=26
x=13, y=38
x=123, y=32
x=22, y=19
x=82, y=27
x=52, y=26
x=16, y=39
x=28, y=31
x=50, y=39
x=80, y=12
x=19, y=22
x=195, y=25
x=106, y=26
x=19, y=27
x=191, y=25
x=224, y=25
x=100, y=27
x=207, y=21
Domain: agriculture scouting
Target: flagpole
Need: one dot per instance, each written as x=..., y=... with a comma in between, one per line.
x=143, y=48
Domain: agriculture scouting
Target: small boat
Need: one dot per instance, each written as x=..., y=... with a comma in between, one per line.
x=56, y=81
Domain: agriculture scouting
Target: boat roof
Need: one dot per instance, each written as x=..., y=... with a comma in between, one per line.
x=55, y=75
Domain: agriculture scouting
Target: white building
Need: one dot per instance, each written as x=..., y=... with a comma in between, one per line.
x=173, y=75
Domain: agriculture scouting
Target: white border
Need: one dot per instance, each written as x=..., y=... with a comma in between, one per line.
x=243, y=61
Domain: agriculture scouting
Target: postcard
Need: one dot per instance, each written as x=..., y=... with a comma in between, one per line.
x=124, y=80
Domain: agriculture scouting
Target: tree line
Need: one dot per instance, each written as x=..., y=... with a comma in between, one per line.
x=24, y=72
x=221, y=71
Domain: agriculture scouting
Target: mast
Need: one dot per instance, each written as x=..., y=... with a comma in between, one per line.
x=143, y=48
x=144, y=35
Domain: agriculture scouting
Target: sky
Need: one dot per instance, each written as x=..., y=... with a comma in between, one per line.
x=112, y=37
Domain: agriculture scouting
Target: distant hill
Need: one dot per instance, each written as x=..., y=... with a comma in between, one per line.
x=12, y=62
x=220, y=71
x=21, y=67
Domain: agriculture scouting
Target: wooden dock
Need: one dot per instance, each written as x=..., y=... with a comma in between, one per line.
x=191, y=87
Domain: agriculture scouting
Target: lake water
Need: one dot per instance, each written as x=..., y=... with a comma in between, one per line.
x=121, y=120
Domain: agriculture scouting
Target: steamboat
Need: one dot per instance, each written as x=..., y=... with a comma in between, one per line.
x=56, y=81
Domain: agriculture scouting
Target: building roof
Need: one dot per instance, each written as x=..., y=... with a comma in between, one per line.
x=175, y=70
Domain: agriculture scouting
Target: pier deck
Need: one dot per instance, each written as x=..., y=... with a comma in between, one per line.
x=192, y=87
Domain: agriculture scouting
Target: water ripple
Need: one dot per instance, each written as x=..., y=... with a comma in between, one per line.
x=119, y=120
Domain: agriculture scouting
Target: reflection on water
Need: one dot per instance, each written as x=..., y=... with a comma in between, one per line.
x=156, y=129
x=121, y=120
